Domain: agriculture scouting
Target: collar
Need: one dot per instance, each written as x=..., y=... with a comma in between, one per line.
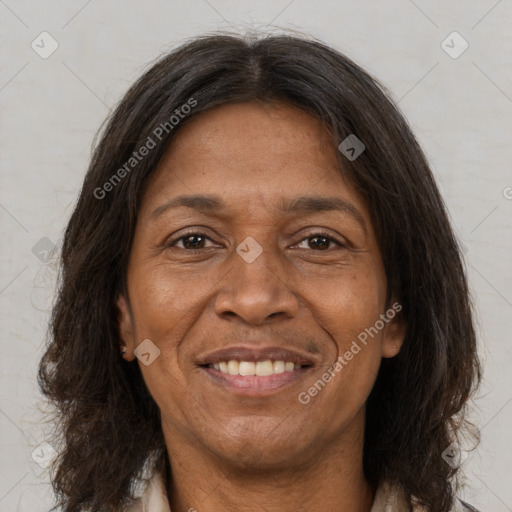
x=388, y=498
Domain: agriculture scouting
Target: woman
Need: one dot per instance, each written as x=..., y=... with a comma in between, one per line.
x=262, y=303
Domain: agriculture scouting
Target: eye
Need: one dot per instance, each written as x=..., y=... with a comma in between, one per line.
x=192, y=240
x=320, y=241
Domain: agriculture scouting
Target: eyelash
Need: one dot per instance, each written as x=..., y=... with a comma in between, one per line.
x=321, y=233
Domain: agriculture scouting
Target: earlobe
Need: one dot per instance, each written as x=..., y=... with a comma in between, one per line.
x=125, y=329
x=394, y=335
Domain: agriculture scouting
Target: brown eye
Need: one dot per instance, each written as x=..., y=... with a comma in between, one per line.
x=190, y=241
x=319, y=242
x=193, y=241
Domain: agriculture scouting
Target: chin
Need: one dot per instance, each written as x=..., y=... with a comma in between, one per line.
x=259, y=452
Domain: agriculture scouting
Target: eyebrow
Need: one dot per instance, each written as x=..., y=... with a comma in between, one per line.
x=212, y=204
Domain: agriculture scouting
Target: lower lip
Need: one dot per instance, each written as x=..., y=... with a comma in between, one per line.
x=254, y=385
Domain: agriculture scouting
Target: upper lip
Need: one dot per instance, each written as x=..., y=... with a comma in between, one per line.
x=247, y=353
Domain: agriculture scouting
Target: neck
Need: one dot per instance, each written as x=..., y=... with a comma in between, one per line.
x=328, y=480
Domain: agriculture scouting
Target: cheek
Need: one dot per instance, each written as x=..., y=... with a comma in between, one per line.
x=166, y=306
x=347, y=305
x=347, y=309
x=351, y=373
x=164, y=301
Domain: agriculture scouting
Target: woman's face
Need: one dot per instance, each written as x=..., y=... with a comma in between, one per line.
x=276, y=273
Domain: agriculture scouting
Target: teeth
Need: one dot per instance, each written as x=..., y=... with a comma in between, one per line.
x=260, y=368
x=279, y=366
x=233, y=367
x=246, y=368
x=264, y=368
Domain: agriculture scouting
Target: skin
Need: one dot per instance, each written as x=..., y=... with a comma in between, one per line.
x=252, y=453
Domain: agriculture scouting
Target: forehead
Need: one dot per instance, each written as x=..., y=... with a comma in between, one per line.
x=251, y=150
x=252, y=123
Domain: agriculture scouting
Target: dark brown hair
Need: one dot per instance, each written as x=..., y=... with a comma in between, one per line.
x=108, y=423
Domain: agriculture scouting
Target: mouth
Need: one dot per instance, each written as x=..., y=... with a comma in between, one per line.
x=256, y=372
x=259, y=368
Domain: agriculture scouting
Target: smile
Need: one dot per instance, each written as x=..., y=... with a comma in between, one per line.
x=255, y=371
x=259, y=368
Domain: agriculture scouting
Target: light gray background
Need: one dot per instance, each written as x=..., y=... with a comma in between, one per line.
x=460, y=110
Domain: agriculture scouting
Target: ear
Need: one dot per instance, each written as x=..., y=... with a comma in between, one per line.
x=125, y=327
x=394, y=333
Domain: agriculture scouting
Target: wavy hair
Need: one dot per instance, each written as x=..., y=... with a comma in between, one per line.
x=108, y=425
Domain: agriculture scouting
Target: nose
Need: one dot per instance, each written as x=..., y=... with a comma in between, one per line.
x=256, y=292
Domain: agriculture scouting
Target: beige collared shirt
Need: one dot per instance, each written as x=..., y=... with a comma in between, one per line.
x=387, y=499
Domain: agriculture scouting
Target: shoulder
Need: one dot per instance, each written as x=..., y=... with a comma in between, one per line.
x=154, y=498
x=390, y=497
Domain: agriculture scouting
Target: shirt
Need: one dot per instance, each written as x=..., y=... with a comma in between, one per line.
x=388, y=498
